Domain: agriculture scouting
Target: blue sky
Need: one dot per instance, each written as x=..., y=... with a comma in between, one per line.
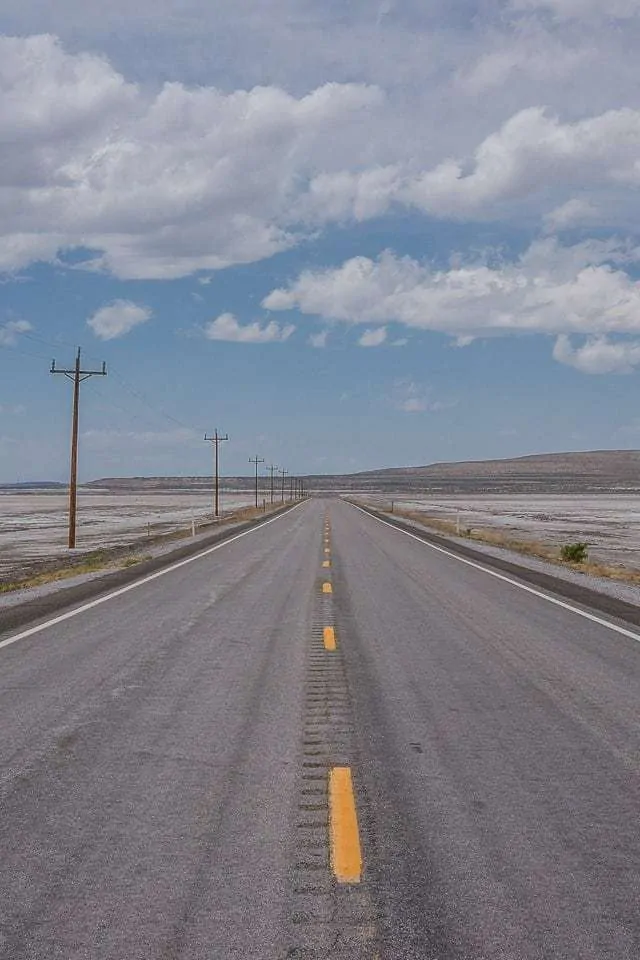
x=351, y=235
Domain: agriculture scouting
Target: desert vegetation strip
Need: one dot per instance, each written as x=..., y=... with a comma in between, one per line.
x=571, y=555
x=586, y=596
x=39, y=608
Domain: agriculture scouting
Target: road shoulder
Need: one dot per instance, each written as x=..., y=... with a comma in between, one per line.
x=594, y=597
x=28, y=606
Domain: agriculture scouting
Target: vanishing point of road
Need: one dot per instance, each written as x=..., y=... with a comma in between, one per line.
x=323, y=738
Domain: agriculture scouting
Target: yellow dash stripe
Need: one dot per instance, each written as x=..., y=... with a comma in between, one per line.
x=326, y=563
x=329, y=638
x=327, y=588
x=326, y=550
x=346, y=856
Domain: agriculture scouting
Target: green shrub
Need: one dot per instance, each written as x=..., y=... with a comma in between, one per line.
x=575, y=552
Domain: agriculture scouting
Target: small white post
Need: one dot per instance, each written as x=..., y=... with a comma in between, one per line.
x=193, y=527
x=458, y=522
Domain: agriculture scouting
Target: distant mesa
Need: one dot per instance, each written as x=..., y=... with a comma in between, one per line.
x=33, y=485
x=584, y=472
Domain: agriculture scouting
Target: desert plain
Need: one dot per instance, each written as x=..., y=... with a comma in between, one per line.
x=33, y=524
x=608, y=523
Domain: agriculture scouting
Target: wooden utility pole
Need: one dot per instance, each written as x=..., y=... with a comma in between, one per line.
x=272, y=470
x=256, y=460
x=283, y=473
x=216, y=439
x=77, y=376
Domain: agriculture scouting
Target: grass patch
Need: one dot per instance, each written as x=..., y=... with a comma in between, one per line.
x=132, y=561
x=90, y=564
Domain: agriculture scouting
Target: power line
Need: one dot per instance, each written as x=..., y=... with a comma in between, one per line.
x=116, y=375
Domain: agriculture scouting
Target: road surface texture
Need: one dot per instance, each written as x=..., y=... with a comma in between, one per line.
x=321, y=739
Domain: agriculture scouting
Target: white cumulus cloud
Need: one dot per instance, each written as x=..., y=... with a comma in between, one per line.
x=550, y=289
x=11, y=330
x=227, y=327
x=532, y=152
x=373, y=338
x=158, y=184
x=117, y=319
x=598, y=355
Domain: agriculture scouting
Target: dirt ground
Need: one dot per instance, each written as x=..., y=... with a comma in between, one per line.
x=34, y=525
x=609, y=523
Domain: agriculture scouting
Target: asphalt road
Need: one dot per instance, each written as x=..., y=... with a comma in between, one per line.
x=169, y=763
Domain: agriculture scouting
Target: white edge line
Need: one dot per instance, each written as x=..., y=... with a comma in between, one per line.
x=137, y=583
x=514, y=583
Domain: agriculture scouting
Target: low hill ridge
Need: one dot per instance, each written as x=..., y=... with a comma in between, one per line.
x=584, y=471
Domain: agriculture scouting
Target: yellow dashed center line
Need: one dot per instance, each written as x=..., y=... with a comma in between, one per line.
x=329, y=638
x=326, y=550
x=326, y=563
x=346, y=855
x=327, y=588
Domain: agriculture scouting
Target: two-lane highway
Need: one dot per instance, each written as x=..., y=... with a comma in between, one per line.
x=322, y=739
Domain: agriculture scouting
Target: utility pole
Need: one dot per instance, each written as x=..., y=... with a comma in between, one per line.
x=284, y=474
x=256, y=460
x=272, y=470
x=216, y=439
x=77, y=375
x=291, y=485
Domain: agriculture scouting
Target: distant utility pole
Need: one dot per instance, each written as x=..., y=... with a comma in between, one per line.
x=216, y=439
x=272, y=470
x=77, y=375
x=256, y=460
x=291, y=487
x=283, y=474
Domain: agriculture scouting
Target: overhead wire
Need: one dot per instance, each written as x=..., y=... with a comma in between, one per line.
x=113, y=372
